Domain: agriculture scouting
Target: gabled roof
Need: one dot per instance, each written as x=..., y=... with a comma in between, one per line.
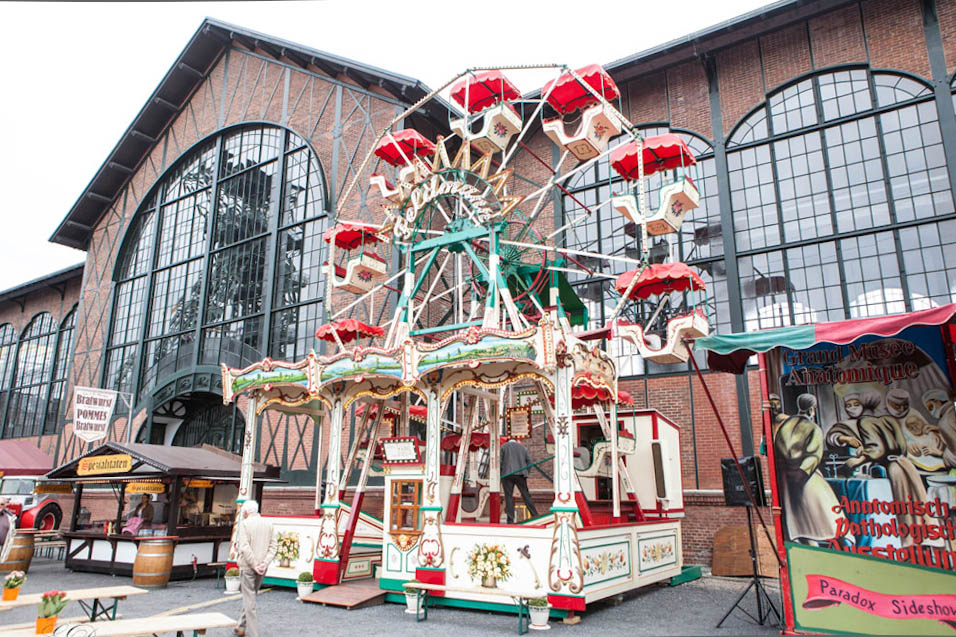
x=184, y=77
x=54, y=280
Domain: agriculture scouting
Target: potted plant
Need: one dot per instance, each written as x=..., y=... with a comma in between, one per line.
x=232, y=580
x=540, y=610
x=12, y=584
x=305, y=583
x=48, y=609
x=411, y=597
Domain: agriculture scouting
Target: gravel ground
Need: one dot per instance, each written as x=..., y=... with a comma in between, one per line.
x=693, y=608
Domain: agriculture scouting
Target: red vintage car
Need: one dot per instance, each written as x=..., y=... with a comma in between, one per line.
x=22, y=466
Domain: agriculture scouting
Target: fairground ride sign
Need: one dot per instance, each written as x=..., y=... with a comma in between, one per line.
x=92, y=411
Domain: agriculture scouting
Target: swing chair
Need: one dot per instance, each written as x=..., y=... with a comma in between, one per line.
x=661, y=152
x=400, y=149
x=660, y=280
x=361, y=265
x=598, y=122
x=485, y=95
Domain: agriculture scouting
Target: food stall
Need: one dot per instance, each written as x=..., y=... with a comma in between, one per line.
x=128, y=495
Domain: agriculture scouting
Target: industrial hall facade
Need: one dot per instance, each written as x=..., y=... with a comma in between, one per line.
x=825, y=136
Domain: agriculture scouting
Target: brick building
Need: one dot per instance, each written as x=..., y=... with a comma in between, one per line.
x=826, y=144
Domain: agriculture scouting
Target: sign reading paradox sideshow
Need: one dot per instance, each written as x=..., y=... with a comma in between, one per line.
x=864, y=455
x=92, y=411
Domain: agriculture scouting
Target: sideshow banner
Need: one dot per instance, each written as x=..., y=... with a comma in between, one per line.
x=845, y=593
x=864, y=445
x=92, y=411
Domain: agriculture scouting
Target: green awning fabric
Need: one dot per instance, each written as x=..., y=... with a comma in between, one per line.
x=798, y=337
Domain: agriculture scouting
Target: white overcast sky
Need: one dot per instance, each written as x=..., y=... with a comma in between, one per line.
x=75, y=74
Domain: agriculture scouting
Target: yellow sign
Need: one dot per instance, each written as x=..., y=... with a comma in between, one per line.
x=145, y=487
x=199, y=484
x=53, y=488
x=115, y=463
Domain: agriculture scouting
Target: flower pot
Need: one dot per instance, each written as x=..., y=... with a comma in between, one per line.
x=232, y=584
x=46, y=625
x=489, y=581
x=10, y=594
x=539, y=617
x=411, y=603
x=305, y=588
x=284, y=562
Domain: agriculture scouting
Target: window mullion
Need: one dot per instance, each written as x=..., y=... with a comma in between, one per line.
x=211, y=217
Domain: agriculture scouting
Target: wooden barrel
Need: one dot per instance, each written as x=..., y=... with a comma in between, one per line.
x=21, y=554
x=154, y=561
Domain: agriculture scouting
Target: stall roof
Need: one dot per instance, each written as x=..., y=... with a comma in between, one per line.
x=23, y=458
x=729, y=352
x=156, y=460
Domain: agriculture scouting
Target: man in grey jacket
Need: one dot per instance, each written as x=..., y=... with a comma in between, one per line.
x=515, y=461
x=257, y=547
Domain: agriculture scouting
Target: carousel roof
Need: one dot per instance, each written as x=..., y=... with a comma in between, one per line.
x=585, y=395
x=660, y=278
x=347, y=330
x=398, y=147
x=484, y=89
x=661, y=152
x=568, y=95
x=415, y=412
x=349, y=235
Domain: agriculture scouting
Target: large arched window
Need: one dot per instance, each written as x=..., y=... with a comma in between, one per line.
x=8, y=350
x=699, y=241
x=835, y=182
x=222, y=263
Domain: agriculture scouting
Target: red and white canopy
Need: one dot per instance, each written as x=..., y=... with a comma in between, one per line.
x=660, y=278
x=347, y=330
x=401, y=146
x=568, y=95
x=348, y=235
x=484, y=89
x=415, y=412
x=661, y=152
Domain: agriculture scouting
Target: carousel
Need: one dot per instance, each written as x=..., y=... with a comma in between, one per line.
x=454, y=326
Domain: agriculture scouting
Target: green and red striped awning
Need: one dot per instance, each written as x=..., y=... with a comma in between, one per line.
x=729, y=352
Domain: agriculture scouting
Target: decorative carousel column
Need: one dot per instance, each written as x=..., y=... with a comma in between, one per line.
x=326, y=567
x=431, y=552
x=565, y=574
x=317, y=423
x=246, y=468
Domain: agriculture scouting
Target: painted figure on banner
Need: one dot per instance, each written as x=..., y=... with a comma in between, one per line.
x=940, y=406
x=810, y=503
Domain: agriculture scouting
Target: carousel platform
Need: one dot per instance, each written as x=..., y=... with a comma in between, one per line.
x=349, y=595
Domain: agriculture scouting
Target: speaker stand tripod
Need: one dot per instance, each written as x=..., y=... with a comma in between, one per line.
x=763, y=597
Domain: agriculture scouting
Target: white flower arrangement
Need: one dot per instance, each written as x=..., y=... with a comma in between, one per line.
x=287, y=546
x=489, y=560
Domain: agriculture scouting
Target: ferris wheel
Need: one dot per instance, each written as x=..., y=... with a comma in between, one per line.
x=459, y=228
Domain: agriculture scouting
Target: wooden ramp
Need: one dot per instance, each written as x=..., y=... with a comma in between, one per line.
x=349, y=595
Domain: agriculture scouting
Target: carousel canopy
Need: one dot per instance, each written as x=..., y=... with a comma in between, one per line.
x=22, y=458
x=660, y=278
x=395, y=147
x=484, y=89
x=348, y=235
x=729, y=352
x=415, y=412
x=348, y=330
x=568, y=95
x=585, y=395
x=661, y=152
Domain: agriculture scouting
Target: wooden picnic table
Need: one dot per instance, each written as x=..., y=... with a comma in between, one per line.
x=96, y=610
x=197, y=623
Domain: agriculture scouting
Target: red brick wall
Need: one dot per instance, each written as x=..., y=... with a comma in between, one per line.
x=689, y=98
x=894, y=35
x=946, y=11
x=837, y=38
x=785, y=54
x=740, y=82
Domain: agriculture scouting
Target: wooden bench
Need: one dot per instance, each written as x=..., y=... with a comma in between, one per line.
x=95, y=610
x=72, y=620
x=220, y=571
x=197, y=623
x=519, y=599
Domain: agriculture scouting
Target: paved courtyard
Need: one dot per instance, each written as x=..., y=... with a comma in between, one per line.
x=690, y=609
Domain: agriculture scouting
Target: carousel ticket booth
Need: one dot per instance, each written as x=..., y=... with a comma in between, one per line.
x=175, y=503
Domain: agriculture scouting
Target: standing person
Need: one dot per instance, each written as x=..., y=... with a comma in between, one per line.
x=257, y=547
x=515, y=460
x=8, y=525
